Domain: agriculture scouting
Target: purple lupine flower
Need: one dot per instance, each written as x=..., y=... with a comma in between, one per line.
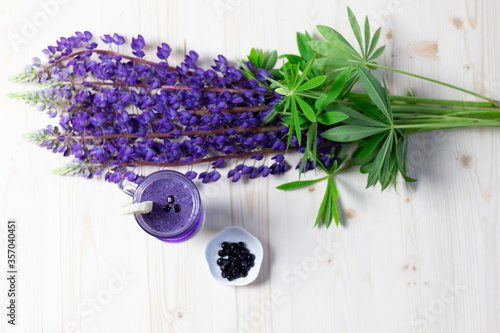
x=133, y=117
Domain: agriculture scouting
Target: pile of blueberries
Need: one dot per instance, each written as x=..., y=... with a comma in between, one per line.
x=235, y=260
x=170, y=202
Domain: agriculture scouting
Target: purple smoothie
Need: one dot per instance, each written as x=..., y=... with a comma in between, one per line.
x=177, y=210
x=169, y=221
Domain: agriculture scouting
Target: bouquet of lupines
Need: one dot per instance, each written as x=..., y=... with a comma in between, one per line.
x=117, y=112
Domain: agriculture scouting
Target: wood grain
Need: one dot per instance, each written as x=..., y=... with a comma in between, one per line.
x=424, y=259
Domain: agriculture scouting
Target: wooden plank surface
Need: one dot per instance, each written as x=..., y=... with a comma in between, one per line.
x=424, y=259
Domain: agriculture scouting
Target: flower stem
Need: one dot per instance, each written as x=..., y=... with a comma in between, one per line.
x=493, y=102
x=112, y=53
x=164, y=87
x=200, y=160
x=170, y=135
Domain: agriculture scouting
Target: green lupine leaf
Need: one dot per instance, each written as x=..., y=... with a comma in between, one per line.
x=320, y=101
x=337, y=50
x=367, y=36
x=355, y=28
x=334, y=37
x=378, y=52
x=369, y=109
x=337, y=86
x=306, y=52
x=270, y=60
x=270, y=117
x=356, y=117
x=348, y=133
x=277, y=83
x=277, y=74
x=253, y=56
x=322, y=207
x=260, y=59
x=303, y=121
x=375, y=91
x=334, y=196
x=295, y=120
x=332, y=117
x=306, y=109
x=379, y=161
x=327, y=215
x=365, y=168
x=374, y=42
x=388, y=170
x=333, y=64
x=370, y=144
x=304, y=73
x=401, y=150
x=292, y=58
x=311, y=84
x=353, y=78
x=298, y=184
x=288, y=80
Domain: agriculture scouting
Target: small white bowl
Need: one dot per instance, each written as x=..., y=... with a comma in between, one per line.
x=233, y=235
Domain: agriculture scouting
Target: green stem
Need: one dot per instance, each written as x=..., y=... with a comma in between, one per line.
x=451, y=123
x=492, y=101
x=443, y=110
x=433, y=101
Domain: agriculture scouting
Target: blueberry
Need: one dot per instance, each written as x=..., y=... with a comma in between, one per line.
x=221, y=253
x=225, y=245
x=244, y=251
x=251, y=264
x=251, y=257
x=243, y=263
x=170, y=199
x=223, y=274
x=234, y=259
x=166, y=208
x=220, y=261
x=241, y=244
x=230, y=278
x=177, y=208
x=244, y=274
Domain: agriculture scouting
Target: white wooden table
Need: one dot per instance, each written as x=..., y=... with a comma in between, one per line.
x=425, y=259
